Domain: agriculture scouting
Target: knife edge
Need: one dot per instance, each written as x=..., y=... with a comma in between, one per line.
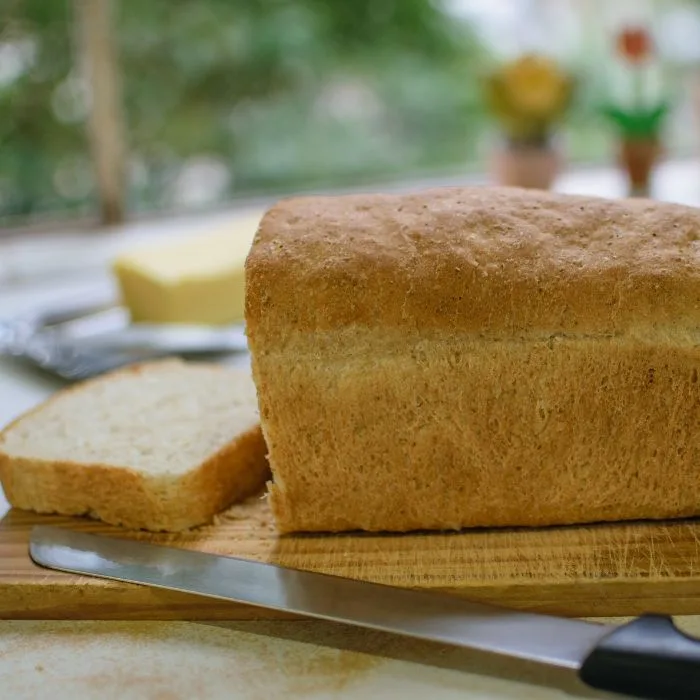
x=426, y=615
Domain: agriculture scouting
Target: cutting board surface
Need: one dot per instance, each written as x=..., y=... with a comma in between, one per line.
x=602, y=570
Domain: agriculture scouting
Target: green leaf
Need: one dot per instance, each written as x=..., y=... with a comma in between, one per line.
x=644, y=122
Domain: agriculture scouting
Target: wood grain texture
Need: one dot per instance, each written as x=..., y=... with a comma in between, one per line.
x=604, y=570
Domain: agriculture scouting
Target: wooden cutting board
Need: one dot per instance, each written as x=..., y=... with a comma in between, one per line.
x=603, y=570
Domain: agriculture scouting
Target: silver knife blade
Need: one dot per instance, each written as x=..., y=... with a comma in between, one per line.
x=175, y=338
x=436, y=617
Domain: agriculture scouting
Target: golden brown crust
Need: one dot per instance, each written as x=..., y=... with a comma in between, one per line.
x=451, y=433
x=486, y=260
x=122, y=496
x=238, y=470
x=481, y=357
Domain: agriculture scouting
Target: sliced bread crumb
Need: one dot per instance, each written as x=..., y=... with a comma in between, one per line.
x=161, y=446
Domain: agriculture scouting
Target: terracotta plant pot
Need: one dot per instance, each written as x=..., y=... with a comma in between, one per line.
x=637, y=157
x=531, y=166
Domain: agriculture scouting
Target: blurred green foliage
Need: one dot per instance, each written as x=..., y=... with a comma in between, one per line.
x=228, y=98
x=35, y=58
x=291, y=94
x=280, y=94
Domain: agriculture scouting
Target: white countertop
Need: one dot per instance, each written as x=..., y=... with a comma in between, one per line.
x=256, y=660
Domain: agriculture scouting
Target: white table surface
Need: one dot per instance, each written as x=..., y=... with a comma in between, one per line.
x=256, y=660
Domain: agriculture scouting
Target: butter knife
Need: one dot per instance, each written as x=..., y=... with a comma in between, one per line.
x=646, y=658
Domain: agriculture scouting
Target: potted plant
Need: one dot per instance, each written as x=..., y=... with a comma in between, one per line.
x=638, y=120
x=528, y=97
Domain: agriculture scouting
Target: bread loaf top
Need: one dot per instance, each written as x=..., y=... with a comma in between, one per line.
x=487, y=260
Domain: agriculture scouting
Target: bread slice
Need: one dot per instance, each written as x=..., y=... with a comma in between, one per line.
x=159, y=446
x=479, y=356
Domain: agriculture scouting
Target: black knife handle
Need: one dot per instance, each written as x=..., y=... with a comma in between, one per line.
x=647, y=658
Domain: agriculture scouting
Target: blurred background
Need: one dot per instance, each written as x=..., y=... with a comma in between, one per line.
x=112, y=111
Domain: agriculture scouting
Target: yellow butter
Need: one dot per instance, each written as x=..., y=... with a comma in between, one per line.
x=196, y=280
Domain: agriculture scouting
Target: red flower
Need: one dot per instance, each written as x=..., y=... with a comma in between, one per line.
x=634, y=44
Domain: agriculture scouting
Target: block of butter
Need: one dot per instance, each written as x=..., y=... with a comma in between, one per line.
x=199, y=279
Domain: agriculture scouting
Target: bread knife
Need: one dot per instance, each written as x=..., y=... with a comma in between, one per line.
x=648, y=657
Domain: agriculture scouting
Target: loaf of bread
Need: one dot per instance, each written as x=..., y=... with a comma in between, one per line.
x=476, y=357
x=162, y=446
